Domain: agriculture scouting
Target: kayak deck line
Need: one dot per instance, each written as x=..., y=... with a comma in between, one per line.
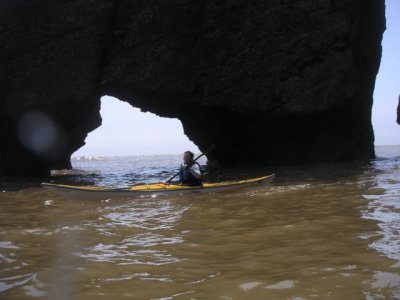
x=96, y=192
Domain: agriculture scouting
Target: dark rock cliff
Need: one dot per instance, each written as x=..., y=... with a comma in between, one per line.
x=269, y=82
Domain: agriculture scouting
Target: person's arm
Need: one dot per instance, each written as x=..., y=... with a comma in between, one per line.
x=195, y=171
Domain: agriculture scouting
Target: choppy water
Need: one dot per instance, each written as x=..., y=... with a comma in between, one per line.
x=318, y=232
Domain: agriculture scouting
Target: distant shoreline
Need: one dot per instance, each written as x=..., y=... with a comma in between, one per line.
x=94, y=156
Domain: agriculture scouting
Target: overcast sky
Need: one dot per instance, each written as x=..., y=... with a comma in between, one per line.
x=128, y=131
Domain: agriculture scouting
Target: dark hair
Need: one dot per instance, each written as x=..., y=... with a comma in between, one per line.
x=191, y=154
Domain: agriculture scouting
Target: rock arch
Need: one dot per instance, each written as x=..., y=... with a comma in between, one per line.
x=268, y=81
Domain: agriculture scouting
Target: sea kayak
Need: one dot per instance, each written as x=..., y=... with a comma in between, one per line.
x=103, y=193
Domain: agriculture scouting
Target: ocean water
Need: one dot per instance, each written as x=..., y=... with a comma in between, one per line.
x=330, y=231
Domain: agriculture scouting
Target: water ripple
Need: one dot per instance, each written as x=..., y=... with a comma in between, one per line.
x=124, y=255
x=162, y=215
x=384, y=205
x=150, y=239
x=143, y=227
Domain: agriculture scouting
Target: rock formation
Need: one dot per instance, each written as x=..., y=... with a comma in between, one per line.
x=270, y=82
x=398, y=112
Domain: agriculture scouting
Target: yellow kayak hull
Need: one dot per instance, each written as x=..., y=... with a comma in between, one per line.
x=102, y=193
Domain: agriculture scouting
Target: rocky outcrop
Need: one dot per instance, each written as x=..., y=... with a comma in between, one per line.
x=269, y=82
x=398, y=112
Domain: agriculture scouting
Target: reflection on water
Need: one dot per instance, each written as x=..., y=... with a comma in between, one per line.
x=328, y=231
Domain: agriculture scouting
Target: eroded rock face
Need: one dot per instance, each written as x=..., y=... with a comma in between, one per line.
x=269, y=82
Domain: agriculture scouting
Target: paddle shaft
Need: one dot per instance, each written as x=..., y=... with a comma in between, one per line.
x=208, y=150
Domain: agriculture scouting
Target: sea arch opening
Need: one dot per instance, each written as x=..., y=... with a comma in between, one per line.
x=126, y=130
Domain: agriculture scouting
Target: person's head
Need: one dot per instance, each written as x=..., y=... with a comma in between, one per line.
x=188, y=157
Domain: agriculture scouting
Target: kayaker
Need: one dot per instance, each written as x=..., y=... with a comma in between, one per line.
x=190, y=171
